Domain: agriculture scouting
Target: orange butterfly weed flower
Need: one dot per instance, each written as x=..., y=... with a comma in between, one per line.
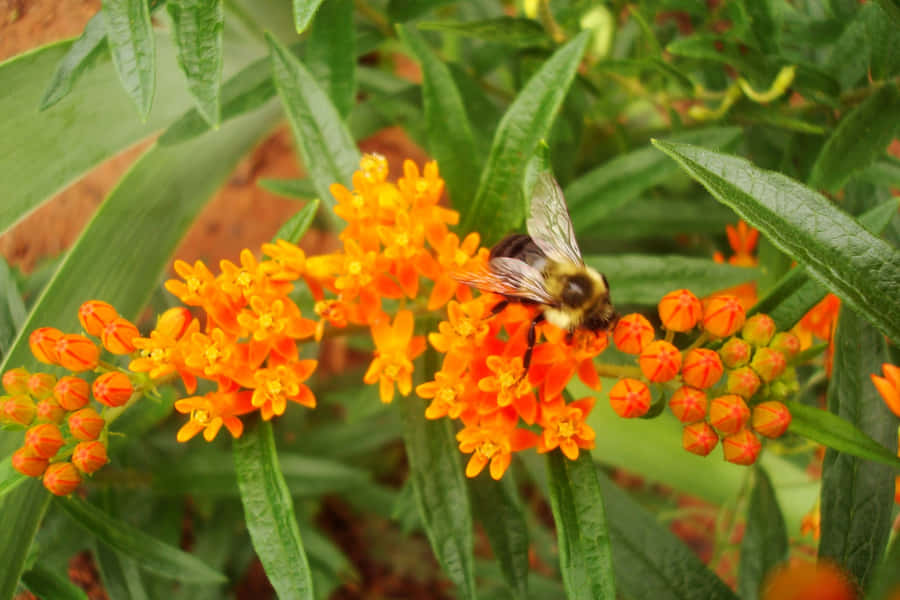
x=395, y=349
x=889, y=386
x=564, y=426
x=493, y=440
x=276, y=385
x=210, y=412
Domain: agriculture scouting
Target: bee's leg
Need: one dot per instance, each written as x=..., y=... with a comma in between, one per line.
x=499, y=307
x=570, y=334
x=532, y=338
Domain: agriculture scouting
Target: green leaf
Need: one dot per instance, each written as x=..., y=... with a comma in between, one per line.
x=849, y=58
x=89, y=44
x=498, y=206
x=304, y=11
x=400, y=11
x=10, y=479
x=299, y=189
x=585, y=556
x=518, y=32
x=331, y=53
x=762, y=24
x=120, y=574
x=498, y=509
x=132, y=45
x=861, y=268
x=295, y=227
x=857, y=495
x=12, y=308
x=885, y=171
x=46, y=583
x=647, y=216
x=644, y=279
x=887, y=576
x=859, y=139
x=197, y=28
x=831, y=430
x=884, y=38
x=153, y=555
x=765, y=542
x=22, y=510
x=269, y=512
x=440, y=490
x=610, y=186
x=328, y=151
x=892, y=8
x=450, y=138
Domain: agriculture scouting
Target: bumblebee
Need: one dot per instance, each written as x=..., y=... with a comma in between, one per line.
x=544, y=268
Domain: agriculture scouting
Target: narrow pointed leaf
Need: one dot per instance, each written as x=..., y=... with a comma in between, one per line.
x=269, y=512
x=498, y=508
x=857, y=495
x=131, y=42
x=331, y=53
x=297, y=225
x=198, y=26
x=646, y=216
x=585, y=557
x=860, y=138
x=887, y=576
x=304, y=11
x=838, y=252
x=12, y=308
x=450, y=138
x=120, y=574
x=498, y=206
x=765, y=542
x=46, y=583
x=518, y=32
x=10, y=479
x=22, y=510
x=299, y=189
x=89, y=44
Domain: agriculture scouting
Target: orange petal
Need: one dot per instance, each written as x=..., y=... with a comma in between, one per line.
x=499, y=464
x=475, y=465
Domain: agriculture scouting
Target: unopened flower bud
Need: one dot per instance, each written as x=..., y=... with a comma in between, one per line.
x=771, y=419
x=19, y=409
x=688, y=404
x=26, y=462
x=86, y=424
x=728, y=414
x=113, y=388
x=61, y=478
x=49, y=411
x=724, y=316
x=94, y=316
x=89, y=456
x=40, y=385
x=769, y=364
x=632, y=333
x=630, y=398
x=735, y=353
x=72, y=393
x=680, y=310
x=43, y=344
x=174, y=322
x=741, y=448
x=787, y=343
x=702, y=368
x=118, y=334
x=44, y=440
x=15, y=381
x=660, y=361
x=744, y=382
x=758, y=329
x=77, y=353
x=699, y=438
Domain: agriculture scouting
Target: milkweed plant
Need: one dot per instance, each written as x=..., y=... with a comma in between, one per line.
x=731, y=169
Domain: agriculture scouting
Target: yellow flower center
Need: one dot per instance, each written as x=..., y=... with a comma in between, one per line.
x=274, y=387
x=358, y=201
x=488, y=449
x=200, y=416
x=446, y=395
x=244, y=279
x=354, y=268
x=421, y=187
x=266, y=320
x=507, y=379
x=565, y=428
x=392, y=371
x=212, y=354
x=465, y=328
x=402, y=239
x=460, y=258
x=193, y=283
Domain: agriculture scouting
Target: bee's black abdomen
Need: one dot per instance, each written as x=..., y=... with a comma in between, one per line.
x=520, y=246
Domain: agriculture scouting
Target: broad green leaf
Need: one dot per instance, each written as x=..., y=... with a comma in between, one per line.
x=44, y=582
x=83, y=50
x=649, y=561
x=295, y=227
x=499, y=510
x=857, y=495
x=765, y=542
x=831, y=430
x=304, y=11
x=498, y=206
x=120, y=574
x=585, y=557
x=153, y=555
x=644, y=279
x=300, y=189
x=860, y=267
x=129, y=33
x=331, y=53
x=329, y=153
x=269, y=512
x=12, y=308
x=450, y=138
x=197, y=28
x=22, y=509
x=647, y=216
x=440, y=491
x=518, y=32
x=861, y=137
x=10, y=479
x=610, y=186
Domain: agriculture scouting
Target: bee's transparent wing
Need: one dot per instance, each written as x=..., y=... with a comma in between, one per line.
x=509, y=277
x=549, y=224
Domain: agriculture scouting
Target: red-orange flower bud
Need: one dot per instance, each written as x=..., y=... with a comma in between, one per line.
x=86, y=424
x=741, y=448
x=15, y=381
x=728, y=414
x=787, y=343
x=89, y=456
x=744, y=382
x=769, y=364
x=43, y=344
x=174, y=322
x=735, y=353
x=630, y=398
x=77, y=353
x=49, y=411
x=724, y=316
x=61, y=478
x=632, y=333
x=699, y=438
x=798, y=581
x=113, y=388
x=44, y=440
x=680, y=310
x=118, y=334
x=702, y=368
x=758, y=329
x=688, y=404
x=71, y=392
x=94, y=315
x=771, y=419
x=40, y=385
x=26, y=462
x=19, y=409
x=660, y=361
